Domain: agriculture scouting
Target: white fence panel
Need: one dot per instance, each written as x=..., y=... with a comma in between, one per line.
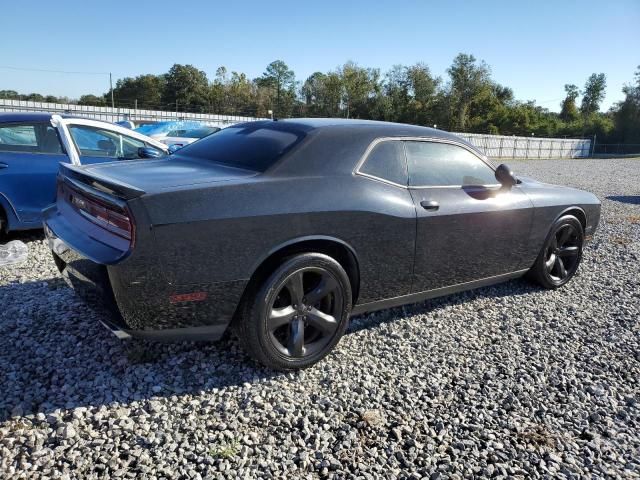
x=504, y=146
x=109, y=114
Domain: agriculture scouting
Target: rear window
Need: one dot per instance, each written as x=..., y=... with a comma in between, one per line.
x=250, y=147
x=29, y=138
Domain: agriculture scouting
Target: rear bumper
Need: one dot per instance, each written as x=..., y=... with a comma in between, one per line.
x=194, y=334
x=137, y=299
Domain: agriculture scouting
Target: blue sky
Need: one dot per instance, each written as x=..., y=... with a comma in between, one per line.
x=532, y=47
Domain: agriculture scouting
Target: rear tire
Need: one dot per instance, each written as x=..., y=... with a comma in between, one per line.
x=561, y=254
x=298, y=314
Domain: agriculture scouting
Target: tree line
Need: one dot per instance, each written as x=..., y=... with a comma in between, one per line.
x=468, y=99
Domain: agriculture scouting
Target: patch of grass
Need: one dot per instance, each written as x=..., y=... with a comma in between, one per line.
x=372, y=418
x=619, y=240
x=538, y=436
x=225, y=450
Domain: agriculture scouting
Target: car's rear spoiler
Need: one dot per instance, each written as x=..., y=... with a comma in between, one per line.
x=104, y=184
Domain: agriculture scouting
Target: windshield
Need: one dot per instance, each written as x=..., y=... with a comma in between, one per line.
x=194, y=133
x=250, y=146
x=162, y=128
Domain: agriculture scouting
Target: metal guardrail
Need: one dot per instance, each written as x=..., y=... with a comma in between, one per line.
x=109, y=114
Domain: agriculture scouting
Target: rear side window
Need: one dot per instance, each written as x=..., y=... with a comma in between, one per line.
x=98, y=142
x=387, y=162
x=433, y=164
x=250, y=147
x=29, y=138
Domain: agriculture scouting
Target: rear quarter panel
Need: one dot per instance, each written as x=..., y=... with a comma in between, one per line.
x=222, y=233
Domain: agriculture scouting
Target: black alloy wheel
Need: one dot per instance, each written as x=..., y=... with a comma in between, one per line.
x=298, y=314
x=561, y=255
x=563, y=252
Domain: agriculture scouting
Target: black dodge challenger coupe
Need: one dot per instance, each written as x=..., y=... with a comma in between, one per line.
x=283, y=229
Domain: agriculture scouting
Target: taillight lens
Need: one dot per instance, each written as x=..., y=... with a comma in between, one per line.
x=109, y=217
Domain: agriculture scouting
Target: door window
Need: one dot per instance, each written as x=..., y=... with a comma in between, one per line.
x=434, y=164
x=99, y=142
x=386, y=161
x=29, y=138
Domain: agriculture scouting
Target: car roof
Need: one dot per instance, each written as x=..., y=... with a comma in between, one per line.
x=374, y=127
x=6, y=117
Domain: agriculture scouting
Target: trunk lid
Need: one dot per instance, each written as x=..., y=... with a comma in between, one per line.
x=132, y=178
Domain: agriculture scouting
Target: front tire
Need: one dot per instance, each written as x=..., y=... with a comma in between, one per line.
x=561, y=254
x=298, y=314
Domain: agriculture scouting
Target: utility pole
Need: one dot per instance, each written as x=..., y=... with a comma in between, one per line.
x=113, y=104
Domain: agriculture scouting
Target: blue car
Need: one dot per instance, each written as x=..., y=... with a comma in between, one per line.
x=32, y=146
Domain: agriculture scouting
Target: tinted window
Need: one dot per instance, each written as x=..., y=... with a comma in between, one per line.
x=443, y=164
x=387, y=161
x=194, y=133
x=29, y=138
x=98, y=142
x=251, y=147
x=201, y=132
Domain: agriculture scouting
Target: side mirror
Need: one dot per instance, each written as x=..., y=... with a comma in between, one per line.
x=174, y=148
x=505, y=176
x=148, y=152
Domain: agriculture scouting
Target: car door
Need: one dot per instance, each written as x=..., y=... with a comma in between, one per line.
x=469, y=227
x=391, y=251
x=30, y=153
x=97, y=144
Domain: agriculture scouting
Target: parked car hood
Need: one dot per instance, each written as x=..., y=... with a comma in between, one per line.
x=164, y=173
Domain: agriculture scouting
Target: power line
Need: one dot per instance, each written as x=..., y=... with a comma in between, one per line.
x=6, y=67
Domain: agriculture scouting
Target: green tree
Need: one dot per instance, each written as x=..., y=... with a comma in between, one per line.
x=241, y=95
x=322, y=94
x=186, y=88
x=569, y=109
x=34, y=97
x=93, y=100
x=594, y=91
x=360, y=88
x=145, y=91
x=10, y=94
x=626, y=115
x=468, y=79
x=279, y=80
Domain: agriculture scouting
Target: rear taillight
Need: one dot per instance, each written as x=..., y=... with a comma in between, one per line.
x=110, y=217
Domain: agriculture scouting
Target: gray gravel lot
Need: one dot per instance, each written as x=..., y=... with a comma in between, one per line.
x=506, y=381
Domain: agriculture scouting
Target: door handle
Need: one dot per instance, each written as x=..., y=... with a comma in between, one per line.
x=430, y=205
x=3, y=165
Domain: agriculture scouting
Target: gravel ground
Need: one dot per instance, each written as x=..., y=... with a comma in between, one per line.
x=506, y=381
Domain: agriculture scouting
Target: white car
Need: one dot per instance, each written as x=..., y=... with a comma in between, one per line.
x=180, y=138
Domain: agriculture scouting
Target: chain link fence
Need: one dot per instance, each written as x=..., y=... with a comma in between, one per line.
x=617, y=149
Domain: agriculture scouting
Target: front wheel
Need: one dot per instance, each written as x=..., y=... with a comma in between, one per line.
x=561, y=254
x=296, y=317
